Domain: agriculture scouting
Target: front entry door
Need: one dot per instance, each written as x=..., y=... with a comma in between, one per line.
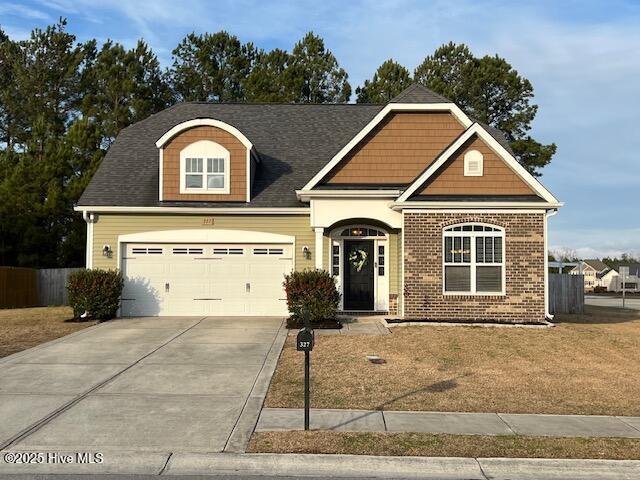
x=358, y=274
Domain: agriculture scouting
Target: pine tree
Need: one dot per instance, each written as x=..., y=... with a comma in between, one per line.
x=388, y=81
x=211, y=67
x=314, y=75
x=491, y=91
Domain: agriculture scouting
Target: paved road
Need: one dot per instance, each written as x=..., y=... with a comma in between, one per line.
x=148, y=384
x=603, y=301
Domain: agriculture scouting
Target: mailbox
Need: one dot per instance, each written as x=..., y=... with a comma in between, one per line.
x=305, y=340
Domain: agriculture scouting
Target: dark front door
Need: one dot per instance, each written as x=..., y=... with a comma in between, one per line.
x=358, y=274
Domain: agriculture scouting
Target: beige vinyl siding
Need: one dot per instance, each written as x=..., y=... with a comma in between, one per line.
x=109, y=226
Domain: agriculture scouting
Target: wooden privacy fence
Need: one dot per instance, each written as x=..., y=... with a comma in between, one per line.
x=18, y=287
x=566, y=293
x=52, y=286
x=29, y=287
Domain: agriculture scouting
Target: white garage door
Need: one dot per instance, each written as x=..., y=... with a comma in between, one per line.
x=205, y=279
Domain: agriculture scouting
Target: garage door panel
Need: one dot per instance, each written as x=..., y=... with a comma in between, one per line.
x=208, y=279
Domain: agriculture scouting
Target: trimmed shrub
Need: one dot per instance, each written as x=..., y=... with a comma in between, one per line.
x=314, y=291
x=96, y=292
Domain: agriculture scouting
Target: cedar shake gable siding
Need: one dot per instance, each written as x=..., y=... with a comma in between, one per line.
x=397, y=150
x=237, y=165
x=524, y=268
x=497, y=178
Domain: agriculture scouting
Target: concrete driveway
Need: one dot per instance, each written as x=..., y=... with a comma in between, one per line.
x=614, y=302
x=141, y=384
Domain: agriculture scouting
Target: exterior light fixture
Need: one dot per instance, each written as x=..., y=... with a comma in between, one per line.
x=306, y=253
x=106, y=251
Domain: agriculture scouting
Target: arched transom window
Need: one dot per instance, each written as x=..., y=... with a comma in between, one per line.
x=204, y=168
x=473, y=257
x=362, y=232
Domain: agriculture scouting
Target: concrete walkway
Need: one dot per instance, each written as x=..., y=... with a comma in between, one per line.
x=285, y=419
x=161, y=384
x=372, y=328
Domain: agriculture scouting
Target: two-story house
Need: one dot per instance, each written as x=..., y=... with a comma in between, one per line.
x=417, y=211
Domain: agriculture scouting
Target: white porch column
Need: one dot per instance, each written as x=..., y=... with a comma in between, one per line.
x=319, y=246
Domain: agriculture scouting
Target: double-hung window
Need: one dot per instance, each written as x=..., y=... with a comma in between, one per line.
x=473, y=257
x=204, y=168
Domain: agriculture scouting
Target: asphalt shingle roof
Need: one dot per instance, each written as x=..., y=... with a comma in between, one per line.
x=294, y=142
x=417, y=93
x=597, y=265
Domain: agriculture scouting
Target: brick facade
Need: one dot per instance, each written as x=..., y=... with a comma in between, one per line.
x=524, y=268
x=393, y=304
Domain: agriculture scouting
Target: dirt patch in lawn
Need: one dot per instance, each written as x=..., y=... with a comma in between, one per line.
x=423, y=444
x=585, y=365
x=22, y=328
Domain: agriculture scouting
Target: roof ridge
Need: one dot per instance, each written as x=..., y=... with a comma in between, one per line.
x=418, y=93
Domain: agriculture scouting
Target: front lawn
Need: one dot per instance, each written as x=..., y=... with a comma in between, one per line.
x=585, y=365
x=424, y=444
x=22, y=328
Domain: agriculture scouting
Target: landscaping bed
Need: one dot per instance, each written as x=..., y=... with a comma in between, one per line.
x=23, y=328
x=587, y=364
x=293, y=323
x=440, y=445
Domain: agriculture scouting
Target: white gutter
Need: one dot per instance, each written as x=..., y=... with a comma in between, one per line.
x=306, y=195
x=470, y=204
x=548, y=214
x=195, y=210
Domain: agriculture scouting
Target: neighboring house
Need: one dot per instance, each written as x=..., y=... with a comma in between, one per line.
x=613, y=281
x=594, y=271
x=417, y=210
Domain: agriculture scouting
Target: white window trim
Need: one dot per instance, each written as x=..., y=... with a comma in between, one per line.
x=468, y=158
x=205, y=149
x=473, y=264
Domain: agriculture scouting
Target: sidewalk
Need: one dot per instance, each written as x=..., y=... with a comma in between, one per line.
x=285, y=419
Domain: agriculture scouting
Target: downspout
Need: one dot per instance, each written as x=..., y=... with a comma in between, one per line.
x=548, y=213
x=89, y=218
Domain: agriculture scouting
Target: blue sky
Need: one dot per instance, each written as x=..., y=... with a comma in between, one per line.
x=582, y=57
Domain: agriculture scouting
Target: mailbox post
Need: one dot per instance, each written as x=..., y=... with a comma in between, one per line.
x=304, y=343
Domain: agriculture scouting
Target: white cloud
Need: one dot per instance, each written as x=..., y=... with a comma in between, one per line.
x=594, y=242
x=23, y=11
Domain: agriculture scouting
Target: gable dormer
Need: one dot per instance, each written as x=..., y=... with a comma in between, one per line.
x=205, y=160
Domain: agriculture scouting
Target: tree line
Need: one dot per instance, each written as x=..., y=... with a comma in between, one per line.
x=63, y=102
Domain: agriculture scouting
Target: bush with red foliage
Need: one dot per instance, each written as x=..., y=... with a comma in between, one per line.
x=313, y=292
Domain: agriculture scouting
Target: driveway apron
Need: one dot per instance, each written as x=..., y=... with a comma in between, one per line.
x=163, y=384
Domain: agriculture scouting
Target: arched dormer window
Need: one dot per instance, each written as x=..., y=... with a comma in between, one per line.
x=204, y=168
x=473, y=259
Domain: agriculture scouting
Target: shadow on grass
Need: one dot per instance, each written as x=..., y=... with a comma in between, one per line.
x=437, y=387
